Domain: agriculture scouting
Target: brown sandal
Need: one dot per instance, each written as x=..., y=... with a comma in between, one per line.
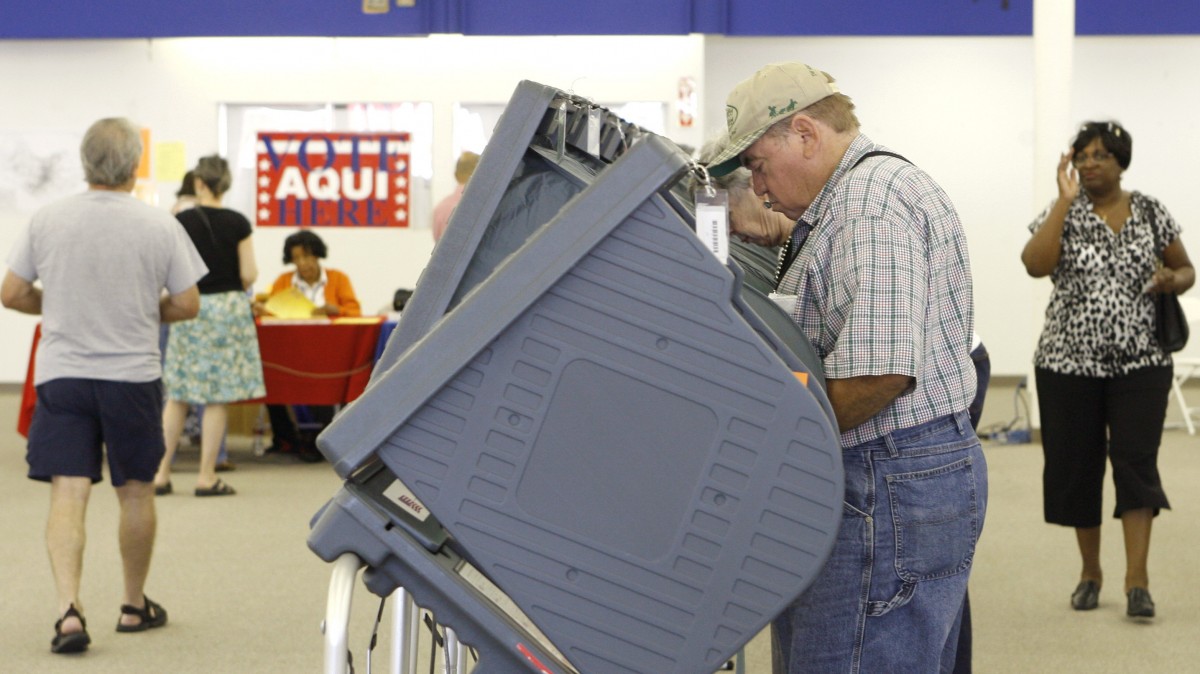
x=219, y=488
x=75, y=642
x=152, y=615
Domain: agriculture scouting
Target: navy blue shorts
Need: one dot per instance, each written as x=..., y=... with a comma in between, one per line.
x=76, y=420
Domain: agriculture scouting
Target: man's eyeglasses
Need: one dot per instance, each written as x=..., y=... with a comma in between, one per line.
x=1098, y=157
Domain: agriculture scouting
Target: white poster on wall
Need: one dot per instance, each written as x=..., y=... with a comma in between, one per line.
x=36, y=168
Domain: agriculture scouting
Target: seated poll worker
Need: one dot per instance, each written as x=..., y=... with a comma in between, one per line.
x=328, y=289
x=878, y=262
x=332, y=295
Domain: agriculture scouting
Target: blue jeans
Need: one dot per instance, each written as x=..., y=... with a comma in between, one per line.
x=890, y=597
x=983, y=377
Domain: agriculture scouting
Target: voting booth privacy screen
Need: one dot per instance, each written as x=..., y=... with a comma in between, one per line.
x=580, y=401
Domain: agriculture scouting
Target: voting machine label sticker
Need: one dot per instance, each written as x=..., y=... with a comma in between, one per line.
x=400, y=494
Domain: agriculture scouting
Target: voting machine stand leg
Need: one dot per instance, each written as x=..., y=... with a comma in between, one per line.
x=405, y=630
x=405, y=627
x=337, y=613
x=350, y=527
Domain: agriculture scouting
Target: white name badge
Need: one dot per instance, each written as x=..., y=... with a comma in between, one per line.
x=712, y=221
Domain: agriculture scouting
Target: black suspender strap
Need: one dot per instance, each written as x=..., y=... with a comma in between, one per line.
x=791, y=250
x=877, y=153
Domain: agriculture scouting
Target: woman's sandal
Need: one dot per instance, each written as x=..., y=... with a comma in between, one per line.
x=219, y=488
x=75, y=642
x=152, y=615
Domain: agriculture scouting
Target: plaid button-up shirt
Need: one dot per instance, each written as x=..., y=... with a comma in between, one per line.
x=884, y=287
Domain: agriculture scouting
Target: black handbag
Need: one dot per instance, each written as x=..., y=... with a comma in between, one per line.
x=1170, y=325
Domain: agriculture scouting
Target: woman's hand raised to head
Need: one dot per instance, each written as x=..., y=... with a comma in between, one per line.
x=1041, y=253
x=1068, y=178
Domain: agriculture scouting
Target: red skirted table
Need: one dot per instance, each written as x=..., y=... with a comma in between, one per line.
x=28, y=394
x=318, y=362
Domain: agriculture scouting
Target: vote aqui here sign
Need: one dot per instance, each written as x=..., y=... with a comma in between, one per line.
x=332, y=179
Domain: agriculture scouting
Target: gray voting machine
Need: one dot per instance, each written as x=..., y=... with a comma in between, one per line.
x=584, y=404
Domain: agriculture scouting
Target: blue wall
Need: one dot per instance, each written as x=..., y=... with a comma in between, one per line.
x=1137, y=17
x=879, y=17
x=25, y=19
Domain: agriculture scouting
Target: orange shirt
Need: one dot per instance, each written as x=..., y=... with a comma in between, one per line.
x=338, y=290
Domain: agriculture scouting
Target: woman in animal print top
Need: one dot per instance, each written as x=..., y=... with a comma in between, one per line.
x=1102, y=378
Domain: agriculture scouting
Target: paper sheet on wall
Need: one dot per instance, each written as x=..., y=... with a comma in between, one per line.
x=169, y=162
x=143, y=169
x=290, y=303
x=37, y=167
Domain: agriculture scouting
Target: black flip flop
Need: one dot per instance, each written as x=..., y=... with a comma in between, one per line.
x=219, y=488
x=152, y=615
x=75, y=642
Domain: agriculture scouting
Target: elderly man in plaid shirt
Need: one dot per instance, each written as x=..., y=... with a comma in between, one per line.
x=878, y=262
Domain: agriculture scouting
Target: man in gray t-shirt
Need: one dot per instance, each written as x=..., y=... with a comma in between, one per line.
x=103, y=259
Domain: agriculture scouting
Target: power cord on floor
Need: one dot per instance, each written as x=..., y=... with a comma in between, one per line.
x=1019, y=430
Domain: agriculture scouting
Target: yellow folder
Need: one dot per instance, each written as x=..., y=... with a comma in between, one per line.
x=290, y=303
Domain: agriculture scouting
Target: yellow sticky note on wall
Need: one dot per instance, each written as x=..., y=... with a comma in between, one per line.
x=169, y=162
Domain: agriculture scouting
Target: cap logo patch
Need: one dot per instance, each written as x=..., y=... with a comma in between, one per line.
x=772, y=111
x=731, y=115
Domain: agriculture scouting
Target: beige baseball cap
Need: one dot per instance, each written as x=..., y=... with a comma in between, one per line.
x=771, y=94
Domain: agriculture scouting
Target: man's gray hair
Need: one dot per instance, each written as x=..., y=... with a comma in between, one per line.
x=110, y=151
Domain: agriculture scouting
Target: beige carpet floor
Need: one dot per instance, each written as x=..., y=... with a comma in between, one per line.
x=245, y=594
